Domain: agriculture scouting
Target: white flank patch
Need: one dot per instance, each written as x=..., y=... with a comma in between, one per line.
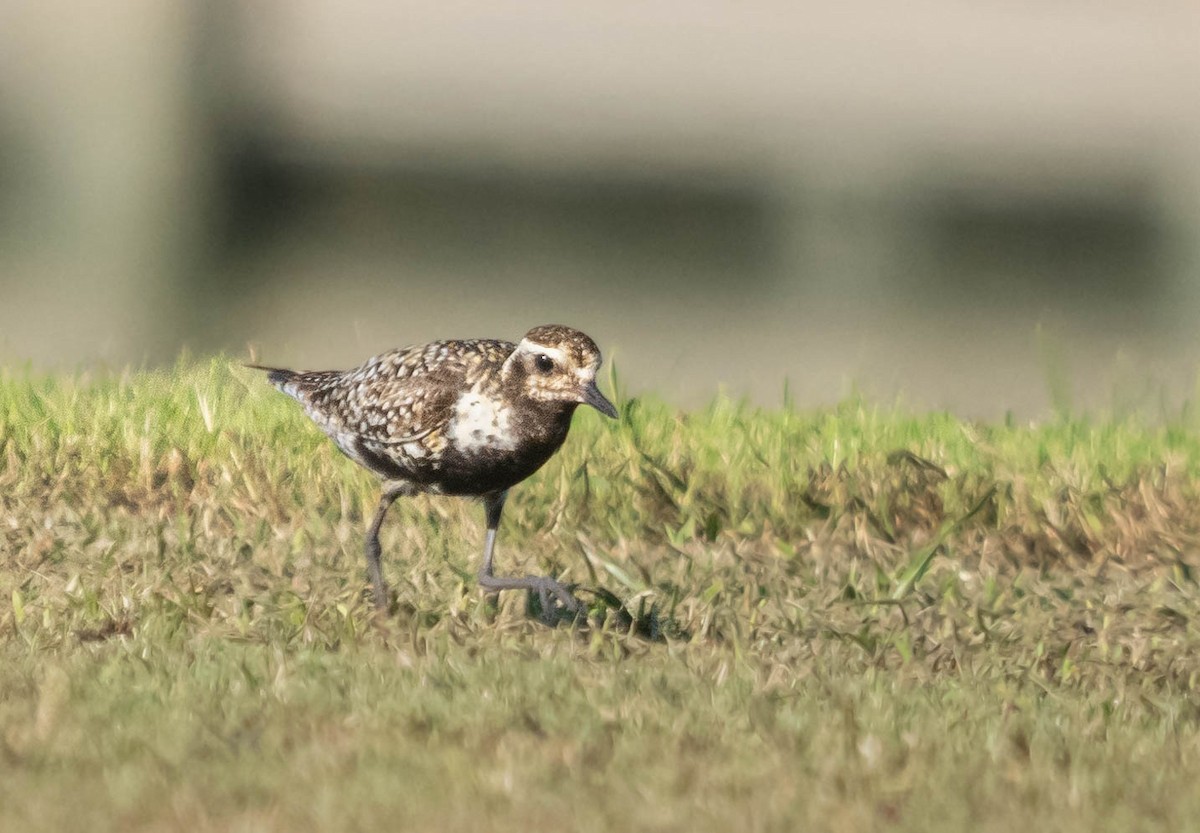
x=479, y=422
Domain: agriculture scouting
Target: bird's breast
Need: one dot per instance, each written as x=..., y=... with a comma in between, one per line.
x=481, y=422
x=492, y=445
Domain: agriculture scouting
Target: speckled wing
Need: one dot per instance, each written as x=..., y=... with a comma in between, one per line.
x=390, y=414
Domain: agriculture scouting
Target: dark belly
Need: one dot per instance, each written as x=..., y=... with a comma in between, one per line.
x=476, y=470
x=487, y=471
x=460, y=473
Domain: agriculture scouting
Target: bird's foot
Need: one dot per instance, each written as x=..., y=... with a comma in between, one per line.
x=556, y=603
x=381, y=602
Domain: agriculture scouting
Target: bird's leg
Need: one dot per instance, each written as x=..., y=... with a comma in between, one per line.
x=374, y=569
x=493, y=505
x=544, y=586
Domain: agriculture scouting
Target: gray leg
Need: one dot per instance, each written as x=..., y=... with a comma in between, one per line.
x=493, y=505
x=544, y=586
x=374, y=569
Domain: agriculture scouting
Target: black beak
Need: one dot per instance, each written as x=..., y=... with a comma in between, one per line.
x=592, y=396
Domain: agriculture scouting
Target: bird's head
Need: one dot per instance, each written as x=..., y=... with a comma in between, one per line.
x=557, y=364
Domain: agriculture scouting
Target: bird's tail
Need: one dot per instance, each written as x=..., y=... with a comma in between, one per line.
x=277, y=376
x=291, y=382
x=298, y=384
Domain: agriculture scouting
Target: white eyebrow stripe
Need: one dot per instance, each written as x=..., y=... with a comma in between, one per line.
x=553, y=352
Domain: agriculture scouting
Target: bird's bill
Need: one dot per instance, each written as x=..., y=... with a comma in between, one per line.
x=592, y=396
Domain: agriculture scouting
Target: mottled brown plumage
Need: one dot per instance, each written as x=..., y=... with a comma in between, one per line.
x=463, y=417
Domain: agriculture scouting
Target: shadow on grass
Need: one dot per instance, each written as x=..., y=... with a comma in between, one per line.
x=607, y=611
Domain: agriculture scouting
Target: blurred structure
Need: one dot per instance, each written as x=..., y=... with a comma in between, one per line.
x=980, y=206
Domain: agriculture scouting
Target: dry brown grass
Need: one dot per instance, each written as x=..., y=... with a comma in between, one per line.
x=870, y=620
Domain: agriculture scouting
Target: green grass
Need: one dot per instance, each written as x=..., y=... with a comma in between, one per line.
x=873, y=619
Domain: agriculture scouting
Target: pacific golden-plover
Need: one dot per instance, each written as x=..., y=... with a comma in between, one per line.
x=463, y=417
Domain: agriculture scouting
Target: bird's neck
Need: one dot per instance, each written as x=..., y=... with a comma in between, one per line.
x=539, y=420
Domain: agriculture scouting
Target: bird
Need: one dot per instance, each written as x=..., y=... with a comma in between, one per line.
x=462, y=417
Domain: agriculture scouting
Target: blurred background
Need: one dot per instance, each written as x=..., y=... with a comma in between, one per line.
x=983, y=206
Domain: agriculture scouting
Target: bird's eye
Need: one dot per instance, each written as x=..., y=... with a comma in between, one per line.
x=543, y=363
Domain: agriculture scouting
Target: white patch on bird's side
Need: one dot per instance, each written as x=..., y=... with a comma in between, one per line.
x=479, y=422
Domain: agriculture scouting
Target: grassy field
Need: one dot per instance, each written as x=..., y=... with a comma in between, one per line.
x=857, y=618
